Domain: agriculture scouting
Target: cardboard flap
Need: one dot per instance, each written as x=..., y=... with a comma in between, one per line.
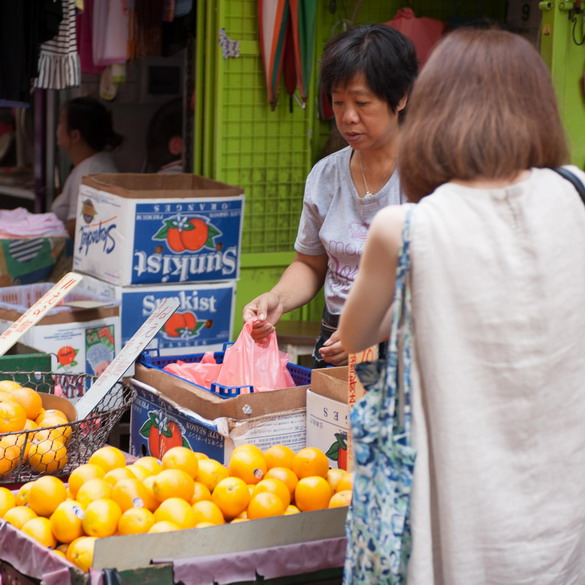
x=331, y=383
x=159, y=185
x=210, y=406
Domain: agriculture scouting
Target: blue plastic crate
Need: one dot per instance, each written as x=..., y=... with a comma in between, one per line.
x=151, y=359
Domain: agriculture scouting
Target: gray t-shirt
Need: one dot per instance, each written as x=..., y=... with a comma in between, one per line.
x=335, y=220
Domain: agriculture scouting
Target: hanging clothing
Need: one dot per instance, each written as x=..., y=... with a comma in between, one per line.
x=110, y=32
x=85, y=40
x=23, y=27
x=59, y=61
x=498, y=494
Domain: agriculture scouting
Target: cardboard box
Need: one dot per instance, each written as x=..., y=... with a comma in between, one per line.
x=78, y=340
x=203, y=321
x=328, y=414
x=170, y=411
x=157, y=228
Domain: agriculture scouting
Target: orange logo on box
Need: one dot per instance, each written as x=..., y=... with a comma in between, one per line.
x=187, y=234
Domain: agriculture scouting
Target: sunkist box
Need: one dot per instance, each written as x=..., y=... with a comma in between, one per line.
x=79, y=340
x=203, y=321
x=158, y=229
x=328, y=413
x=170, y=411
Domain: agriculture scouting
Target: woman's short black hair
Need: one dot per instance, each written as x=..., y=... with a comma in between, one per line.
x=385, y=57
x=93, y=121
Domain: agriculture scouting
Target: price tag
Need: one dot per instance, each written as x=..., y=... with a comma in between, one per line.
x=47, y=302
x=355, y=388
x=126, y=357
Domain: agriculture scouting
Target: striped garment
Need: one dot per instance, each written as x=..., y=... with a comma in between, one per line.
x=59, y=61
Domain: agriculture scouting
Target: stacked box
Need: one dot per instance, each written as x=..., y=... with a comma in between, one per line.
x=143, y=237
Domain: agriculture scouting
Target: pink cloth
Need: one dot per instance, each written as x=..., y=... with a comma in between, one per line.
x=85, y=40
x=423, y=32
x=110, y=32
x=21, y=223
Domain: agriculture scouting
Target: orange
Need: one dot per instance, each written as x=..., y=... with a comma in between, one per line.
x=115, y=475
x=200, y=455
x=66, y=521
x=62, y=547
x=163, y=526
x=171, y=483
x=19, y=516
x=9, y=385
x=290, y=509
x=19, y=439
x=47, y=456
x=7, y=501
x=247, y=464
x=51, y=418
x=312, y=493
x=12, y=417
x=148, y=484
x=9, y=457
x=279, y=456
x=176, y=510
x=30, y=400
x=130, y=493
x=181, y=458
x=286, y=475
x=138, y=471
x=334, y=475
x=200, y=492
x=151, y=463
x=310, y=461
x=231, y=496
x=207, y=511
x=58, y=433
x=109, y=458
x=211, y=472
x=80, y=552
x=82, y=474
x=248, y=447
x=234, y=521
x=101, y=518
x=274, y=486
x=93, y=489
x=22, y=494
x=40, y=529
x=342, y=498
x=45, y=494
x=345, y=483
x=59, y=553
x=135, y=521
x=265, y=505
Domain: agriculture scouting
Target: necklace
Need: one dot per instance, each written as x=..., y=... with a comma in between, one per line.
x=368, y=192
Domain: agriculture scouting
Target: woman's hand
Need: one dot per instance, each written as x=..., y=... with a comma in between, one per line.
x=332, y=351
x=267, y=310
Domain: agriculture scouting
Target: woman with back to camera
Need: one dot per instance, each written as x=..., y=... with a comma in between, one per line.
x=368, y=71
x=86, y=134
x=496, y=383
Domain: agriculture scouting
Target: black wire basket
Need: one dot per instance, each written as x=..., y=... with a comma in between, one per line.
x=57, y=450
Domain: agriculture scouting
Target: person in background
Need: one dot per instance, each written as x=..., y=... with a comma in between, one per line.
x=86, y=135
x=368, y=71
x=497, y=274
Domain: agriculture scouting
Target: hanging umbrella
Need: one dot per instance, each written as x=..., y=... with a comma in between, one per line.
x=303, y=15
x=273, y=18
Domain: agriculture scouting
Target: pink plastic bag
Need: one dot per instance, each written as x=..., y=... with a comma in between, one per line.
x=247, y=363
x=202, y=373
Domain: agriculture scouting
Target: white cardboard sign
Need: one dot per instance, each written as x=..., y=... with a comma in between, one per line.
x=126, y=357
x=48, y=301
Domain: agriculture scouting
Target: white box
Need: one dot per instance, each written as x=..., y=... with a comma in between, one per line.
x=156, y=228
x=328, y=414
x=78, y=340
x=203, y=321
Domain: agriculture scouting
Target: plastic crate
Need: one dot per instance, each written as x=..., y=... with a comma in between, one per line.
x=151, y=359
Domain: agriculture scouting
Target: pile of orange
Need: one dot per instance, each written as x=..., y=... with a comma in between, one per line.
x=29, y=432
x=186, y=489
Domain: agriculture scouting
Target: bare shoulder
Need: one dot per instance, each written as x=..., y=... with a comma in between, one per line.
x=388, y=223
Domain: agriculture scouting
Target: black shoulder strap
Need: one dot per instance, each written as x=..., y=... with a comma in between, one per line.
x=571, y=177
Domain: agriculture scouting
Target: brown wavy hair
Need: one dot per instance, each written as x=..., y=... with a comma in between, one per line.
x=483, y=107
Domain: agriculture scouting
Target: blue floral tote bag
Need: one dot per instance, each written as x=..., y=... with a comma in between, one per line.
x=378, y=524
